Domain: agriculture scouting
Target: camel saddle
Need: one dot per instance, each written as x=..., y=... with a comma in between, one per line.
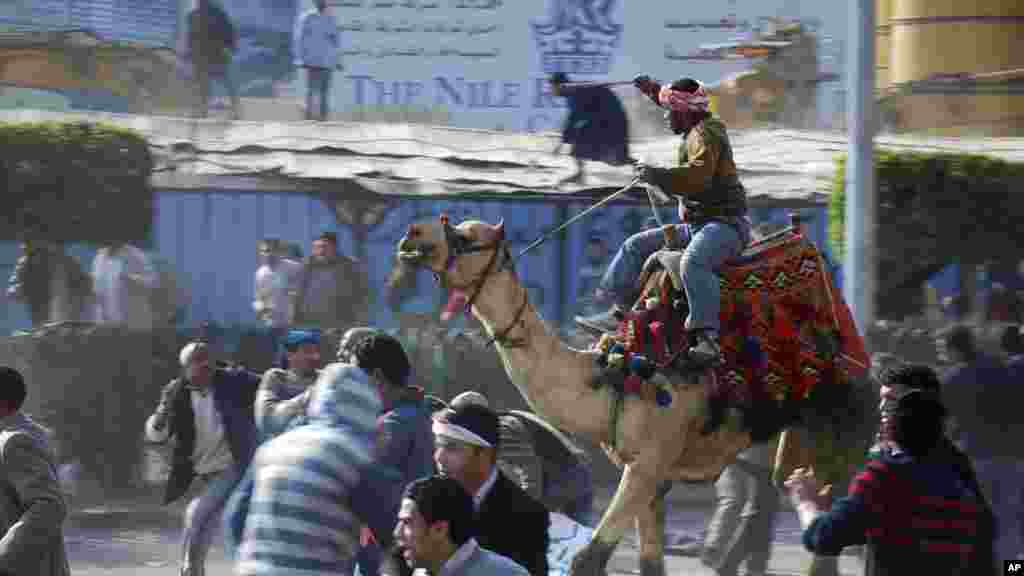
x=784, y=326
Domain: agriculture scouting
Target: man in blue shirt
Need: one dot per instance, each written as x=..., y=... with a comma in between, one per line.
x=316, y=45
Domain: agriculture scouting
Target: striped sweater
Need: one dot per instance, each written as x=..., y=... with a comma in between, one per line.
x=918, y=515
x=312, y=486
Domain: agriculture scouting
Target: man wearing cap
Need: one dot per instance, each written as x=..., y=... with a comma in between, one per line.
x=549, y=465
x=466, y=443
x=712, y=206
x=208, y=411
x=331, y=290
x=284, y=393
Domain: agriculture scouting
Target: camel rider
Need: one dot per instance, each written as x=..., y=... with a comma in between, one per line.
x=712, y=206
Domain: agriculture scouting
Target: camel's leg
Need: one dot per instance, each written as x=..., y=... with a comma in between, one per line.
x=636, y=490
x=650, y=524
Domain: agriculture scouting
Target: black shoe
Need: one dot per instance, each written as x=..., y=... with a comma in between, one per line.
x=602, y=323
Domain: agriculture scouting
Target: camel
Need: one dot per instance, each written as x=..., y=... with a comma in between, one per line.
x=654, y=445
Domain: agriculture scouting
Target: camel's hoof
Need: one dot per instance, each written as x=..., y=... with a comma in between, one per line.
x=592, y=559
x=652, y=567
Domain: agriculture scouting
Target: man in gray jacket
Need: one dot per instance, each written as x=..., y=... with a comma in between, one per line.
x=331, y=288
x=435, y=531
x=284, y=393
x=32, y=508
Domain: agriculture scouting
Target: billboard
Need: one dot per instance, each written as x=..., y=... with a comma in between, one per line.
x=485, y=62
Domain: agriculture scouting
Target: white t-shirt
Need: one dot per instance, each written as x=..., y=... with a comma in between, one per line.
x=211, y=453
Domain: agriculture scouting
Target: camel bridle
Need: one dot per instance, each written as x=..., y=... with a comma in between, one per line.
x=500, y=260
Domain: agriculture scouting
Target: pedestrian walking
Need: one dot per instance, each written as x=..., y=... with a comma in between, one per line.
x=597, y=126
x=211, y=40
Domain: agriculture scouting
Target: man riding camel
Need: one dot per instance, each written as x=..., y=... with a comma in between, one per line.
x=712, y=207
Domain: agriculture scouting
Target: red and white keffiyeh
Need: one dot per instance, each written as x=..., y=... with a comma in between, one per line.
x=679, y=101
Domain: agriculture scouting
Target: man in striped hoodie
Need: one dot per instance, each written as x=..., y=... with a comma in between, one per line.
x=313, y=485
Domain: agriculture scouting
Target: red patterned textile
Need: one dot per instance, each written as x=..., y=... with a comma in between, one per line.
x=785, y=327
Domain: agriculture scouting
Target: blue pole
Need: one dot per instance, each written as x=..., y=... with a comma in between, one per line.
x=859, y=267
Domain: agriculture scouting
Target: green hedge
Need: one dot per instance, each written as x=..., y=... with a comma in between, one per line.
x=75, y=182
x=934, y=210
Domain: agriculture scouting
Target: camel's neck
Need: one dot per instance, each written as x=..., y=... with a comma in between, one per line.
x=554, y=379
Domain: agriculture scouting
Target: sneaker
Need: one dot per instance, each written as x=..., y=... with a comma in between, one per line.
x=706, y=352
x=602, y=323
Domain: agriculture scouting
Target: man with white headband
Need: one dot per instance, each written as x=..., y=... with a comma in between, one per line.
x=712, y=206
x=209, y=412
x=466, y=441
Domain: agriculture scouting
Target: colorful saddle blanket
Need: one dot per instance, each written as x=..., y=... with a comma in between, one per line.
x=785, y=327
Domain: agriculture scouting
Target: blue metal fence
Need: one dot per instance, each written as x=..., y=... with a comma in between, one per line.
x=209, y=239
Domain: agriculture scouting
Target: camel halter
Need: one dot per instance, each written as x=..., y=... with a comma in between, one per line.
x=459, y=246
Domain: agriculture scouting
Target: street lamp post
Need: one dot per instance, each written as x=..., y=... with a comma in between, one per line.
x=859, y=267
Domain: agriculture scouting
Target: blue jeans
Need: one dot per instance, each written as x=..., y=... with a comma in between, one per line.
x=708, y=247
x=318, y=84
x=202, y=518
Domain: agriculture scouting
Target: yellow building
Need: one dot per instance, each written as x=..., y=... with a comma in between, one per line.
x=780, y=89
x=952, y=67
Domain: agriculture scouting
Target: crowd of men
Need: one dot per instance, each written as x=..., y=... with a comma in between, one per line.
x=322, y=470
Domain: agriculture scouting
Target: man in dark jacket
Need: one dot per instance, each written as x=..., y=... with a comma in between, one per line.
x=331, y=289
x=52, y=283
x=467, y=440
x=548, y=464
x=209, y=411
x=596, y=126
x=916, y=506
x=211, y=40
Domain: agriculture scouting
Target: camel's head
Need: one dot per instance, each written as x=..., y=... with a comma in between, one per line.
x=459, y=255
